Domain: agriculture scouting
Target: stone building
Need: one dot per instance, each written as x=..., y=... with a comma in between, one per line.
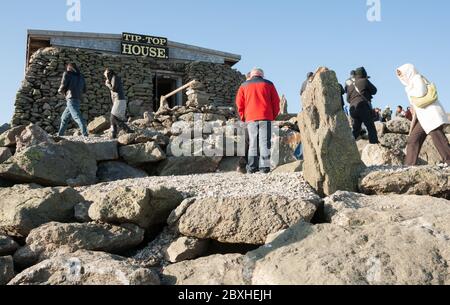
x=149, y=66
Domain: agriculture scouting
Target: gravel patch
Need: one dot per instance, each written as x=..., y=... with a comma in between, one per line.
x=288, y=185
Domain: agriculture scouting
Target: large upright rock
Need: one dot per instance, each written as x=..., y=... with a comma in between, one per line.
x=86, y=268
x=332, y=160
x=49, y=164
x=23, y=207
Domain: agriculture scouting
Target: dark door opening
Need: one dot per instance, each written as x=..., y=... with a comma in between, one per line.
x=163, y=85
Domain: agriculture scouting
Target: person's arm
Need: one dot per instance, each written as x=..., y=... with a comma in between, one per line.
x=109, y=83
x=371, y=87
x=240, y=104
x=275, y=102
x=64, y=84
x=84, y=89
x=419, y=88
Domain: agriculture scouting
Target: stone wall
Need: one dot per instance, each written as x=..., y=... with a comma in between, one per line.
x=221, y=82
x=38, y=101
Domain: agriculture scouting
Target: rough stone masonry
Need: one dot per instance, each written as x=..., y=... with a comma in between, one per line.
x=38, y=102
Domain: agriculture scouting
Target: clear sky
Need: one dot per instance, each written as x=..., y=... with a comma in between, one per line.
x=286, y=38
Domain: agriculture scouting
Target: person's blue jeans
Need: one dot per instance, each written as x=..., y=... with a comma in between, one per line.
x=72, y=111
x=260, y=145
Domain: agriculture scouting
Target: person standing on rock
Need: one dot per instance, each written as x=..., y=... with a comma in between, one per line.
x=360, y=94
x=429, y=116
x=258, y=105
x=119, y=110
x=73, y=86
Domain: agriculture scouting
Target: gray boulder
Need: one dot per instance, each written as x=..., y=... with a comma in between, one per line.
x=114, y=170
x=102, y=149
x=8, y=138
x=25, y=207
x=398, y=125
x=381, y=129
x=3, y=128
x=99, y=125
x=143, y=207
x=294, y=167
x=246, y=220
x=405, y=253
x=423, y=180
x=32, y=135
x=284, y=146
x=7, y=245
x=86, y=268
x=6, y=270
x=376, y=155
x=394, y=141
x=185, y=248
x=211, y=270
x=54, y=239
x=181, y=166
x=142, y=153
x=332, y=161
x=60, y=164
x=352, y=210
x=5, y=154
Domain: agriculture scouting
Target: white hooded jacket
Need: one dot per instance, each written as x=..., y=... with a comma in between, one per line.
x=431, y=117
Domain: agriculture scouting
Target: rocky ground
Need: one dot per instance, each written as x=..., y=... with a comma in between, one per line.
x=77, y=211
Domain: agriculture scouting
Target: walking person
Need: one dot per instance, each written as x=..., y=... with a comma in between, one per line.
x=360, y=93
x=429, y=117
x=258, y=105
x=119, y=110
x=73, y=86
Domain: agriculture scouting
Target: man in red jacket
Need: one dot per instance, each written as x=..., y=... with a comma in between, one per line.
x=258, y=104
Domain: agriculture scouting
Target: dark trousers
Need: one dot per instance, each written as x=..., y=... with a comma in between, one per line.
x=362, y=113
x=118, y=124
x=418, y=137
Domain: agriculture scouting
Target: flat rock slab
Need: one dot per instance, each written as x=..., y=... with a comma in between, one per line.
x=60, y=164
x=243, y=220
x=86, y=268
x=56, y=238
x=421, y=180
x=212, y=270
x=25, y=207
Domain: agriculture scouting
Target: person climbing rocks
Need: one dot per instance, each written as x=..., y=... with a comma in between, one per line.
x=429, y=116
x=359, y=94
x=73, y=86
x=119, y=110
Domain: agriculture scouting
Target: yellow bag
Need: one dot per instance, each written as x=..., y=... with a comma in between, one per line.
x=430, y=98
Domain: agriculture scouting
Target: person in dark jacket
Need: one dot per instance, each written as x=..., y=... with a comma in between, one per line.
x=258, y=104
x=119, y=111
x=359, y=94
x=73, y=86
x=308, y=80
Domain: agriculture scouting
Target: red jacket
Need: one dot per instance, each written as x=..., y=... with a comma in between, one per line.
x=258, y=100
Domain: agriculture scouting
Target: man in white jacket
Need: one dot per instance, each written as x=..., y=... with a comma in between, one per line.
x=427, y=121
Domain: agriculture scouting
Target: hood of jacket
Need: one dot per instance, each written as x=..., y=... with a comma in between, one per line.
x=408, y=73
x=361, y=73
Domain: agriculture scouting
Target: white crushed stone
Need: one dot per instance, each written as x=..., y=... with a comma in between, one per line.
x=288, y=185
